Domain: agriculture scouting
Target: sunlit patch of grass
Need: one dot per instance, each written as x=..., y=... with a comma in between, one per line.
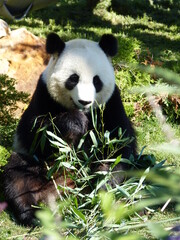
x=150, y=134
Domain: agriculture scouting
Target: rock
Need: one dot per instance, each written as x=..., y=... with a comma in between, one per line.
x=4, y=29
x=23, y=57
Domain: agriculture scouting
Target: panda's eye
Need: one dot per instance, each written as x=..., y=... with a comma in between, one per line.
x=72, y=81
x=97, y=83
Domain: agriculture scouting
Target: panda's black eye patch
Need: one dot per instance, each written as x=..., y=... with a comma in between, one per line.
x=97, y=83
x=72, y=81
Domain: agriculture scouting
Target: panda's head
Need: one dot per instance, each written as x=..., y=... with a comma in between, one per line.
x=80, y=73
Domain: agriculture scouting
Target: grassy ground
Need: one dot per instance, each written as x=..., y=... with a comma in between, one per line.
x=147, y=32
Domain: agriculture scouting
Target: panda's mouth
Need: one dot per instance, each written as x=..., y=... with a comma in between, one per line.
x=80, y=106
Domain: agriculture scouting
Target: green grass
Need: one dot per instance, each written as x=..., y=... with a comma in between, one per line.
x=146, y=32
x=150, y=135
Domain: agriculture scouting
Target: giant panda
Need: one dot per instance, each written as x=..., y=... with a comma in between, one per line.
x=78, y=77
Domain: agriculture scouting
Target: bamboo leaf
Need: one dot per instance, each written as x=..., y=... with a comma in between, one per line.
x=67, y=165
x=79, y=214
x=157, y=230
x=93, y=138
x=118, y=159
x=56, y=138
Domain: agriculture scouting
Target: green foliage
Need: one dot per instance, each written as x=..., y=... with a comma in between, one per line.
x=171, y=107
x=4, y=155
x=101, y=144
x=127, y=49
x=157, y=9
x=126, y=78
x=9, y=97
x=88, y=212
x=168, y=87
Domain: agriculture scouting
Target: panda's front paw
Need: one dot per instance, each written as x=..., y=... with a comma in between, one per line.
x=78, y=127
x=73, y=126
x=27, y=218
x=79, y=122
x=116, y=176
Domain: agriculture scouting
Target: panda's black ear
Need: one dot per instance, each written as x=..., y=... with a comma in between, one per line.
x=54, y=44
x=109, y=44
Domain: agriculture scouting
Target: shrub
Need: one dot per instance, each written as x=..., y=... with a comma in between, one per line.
x=171, y=108
x=9, y=97
x=4, y=154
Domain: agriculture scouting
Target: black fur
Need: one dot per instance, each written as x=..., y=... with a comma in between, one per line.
x=97, y=83
x=72, y=81
x=54, y=44
x=25, y=182
x=23, y=179
x=109, y=44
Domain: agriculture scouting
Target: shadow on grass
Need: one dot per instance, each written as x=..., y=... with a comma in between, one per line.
x=166, y=12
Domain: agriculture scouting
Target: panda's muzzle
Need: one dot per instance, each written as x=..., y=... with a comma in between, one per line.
x=84, y=103
x=81, y=104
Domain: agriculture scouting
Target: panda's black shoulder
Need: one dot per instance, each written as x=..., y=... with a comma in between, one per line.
x=115, y=115
x=42, y=102
x=115, y=98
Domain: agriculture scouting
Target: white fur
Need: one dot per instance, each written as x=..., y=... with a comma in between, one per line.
x=86, y=59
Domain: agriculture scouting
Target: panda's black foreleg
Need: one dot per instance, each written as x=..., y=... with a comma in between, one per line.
x=24, y=211
x=22, y=181
x=72, y=125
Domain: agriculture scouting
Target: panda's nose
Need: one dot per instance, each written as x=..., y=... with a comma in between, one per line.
x=84, y=103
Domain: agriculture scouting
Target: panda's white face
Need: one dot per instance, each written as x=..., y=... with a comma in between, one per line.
x=81, y=76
